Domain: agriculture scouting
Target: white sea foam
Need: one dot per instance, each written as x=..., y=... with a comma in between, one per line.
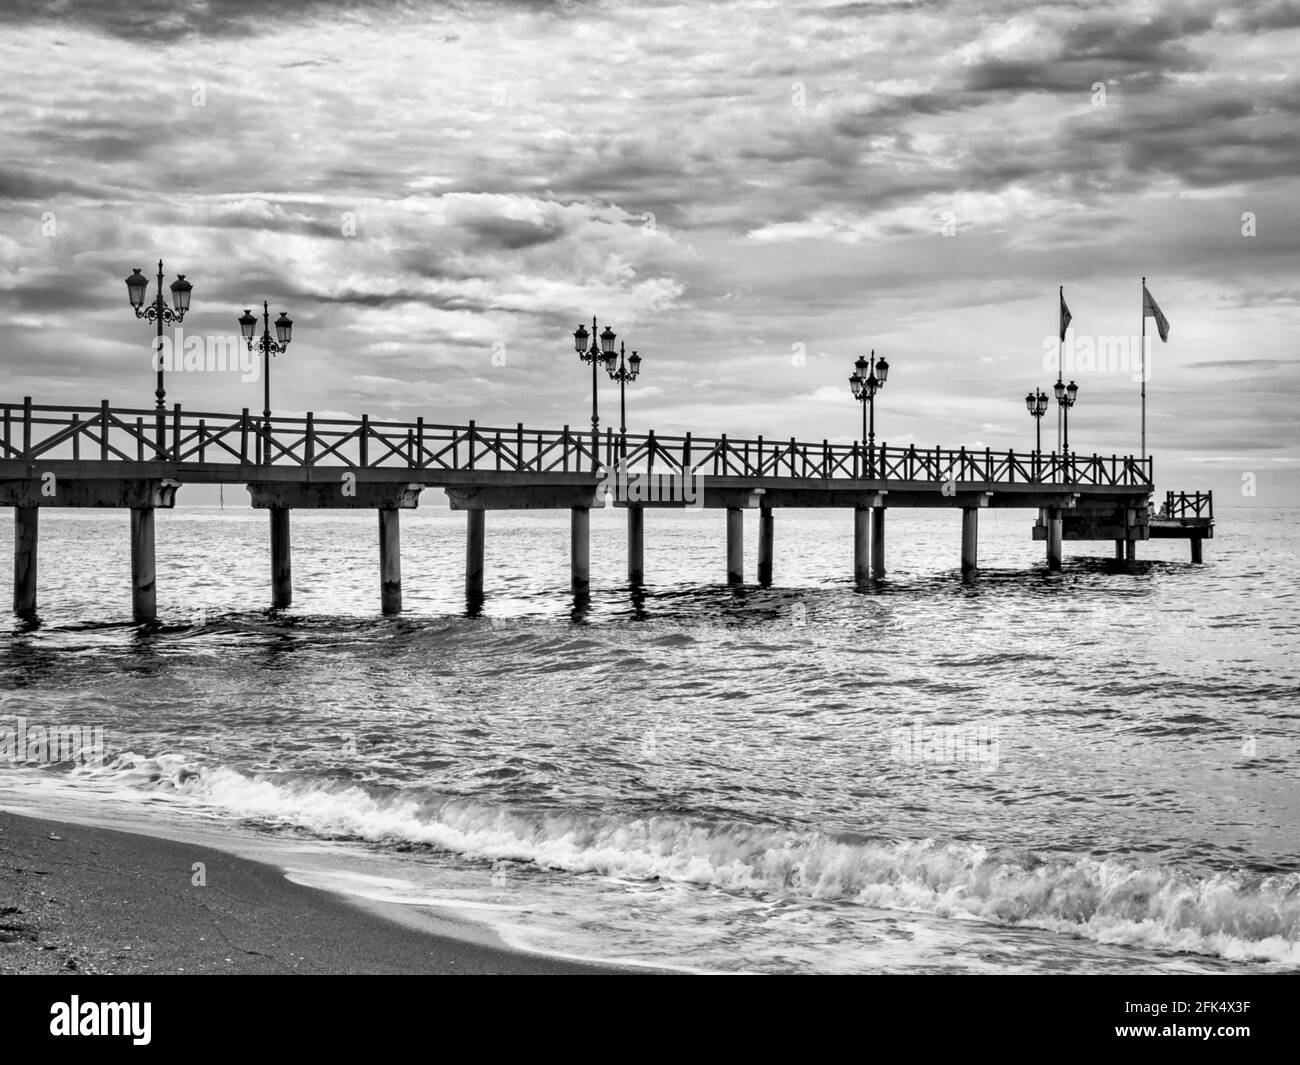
x=1232, y=915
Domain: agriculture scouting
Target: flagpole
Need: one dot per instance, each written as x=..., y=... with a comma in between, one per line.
x=1060, y=362
x=1144, y=369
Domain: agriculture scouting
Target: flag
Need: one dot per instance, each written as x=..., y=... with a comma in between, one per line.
x=1065, y=315
x=1149, y=307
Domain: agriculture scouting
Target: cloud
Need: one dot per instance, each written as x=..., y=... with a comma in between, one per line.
x=439, y=194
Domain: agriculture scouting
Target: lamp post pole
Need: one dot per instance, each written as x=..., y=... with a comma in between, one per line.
x=1037, y=403
x=595, y=414
x=627, y=370
x=137, y=285
x=268, y=346
x=1065, y=397
x=869, y=376
x=160, y=309
x=602, y=348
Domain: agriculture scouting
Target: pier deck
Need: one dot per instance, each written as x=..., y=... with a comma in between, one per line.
x=102, y=456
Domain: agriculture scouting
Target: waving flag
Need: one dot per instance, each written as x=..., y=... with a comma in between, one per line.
x=1149, y=308
x=1065, y=315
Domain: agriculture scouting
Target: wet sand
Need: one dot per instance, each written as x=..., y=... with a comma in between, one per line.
x=77, y=899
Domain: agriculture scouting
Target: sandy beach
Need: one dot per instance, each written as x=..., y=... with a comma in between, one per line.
x=76, y=899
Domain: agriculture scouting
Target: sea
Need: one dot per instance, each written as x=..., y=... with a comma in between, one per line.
x=1092, y=770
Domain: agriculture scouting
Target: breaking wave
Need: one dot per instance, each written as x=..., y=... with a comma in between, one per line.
x=1238, y=915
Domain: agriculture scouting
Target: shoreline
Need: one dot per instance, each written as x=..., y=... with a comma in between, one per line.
x=84, y=899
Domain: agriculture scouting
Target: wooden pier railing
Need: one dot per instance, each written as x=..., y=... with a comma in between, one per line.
x=1189, y=505
x=33, y=431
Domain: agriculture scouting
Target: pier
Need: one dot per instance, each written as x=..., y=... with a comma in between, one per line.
x=100, y=456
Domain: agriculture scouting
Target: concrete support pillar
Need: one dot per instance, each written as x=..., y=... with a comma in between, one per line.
x=475, y=537
x=25, y=537
x=735, y=545
x=281, y=565
x=765, y=531
x=144, y=598
x=861, y=546
x=580, y=550
x=635, y=545
x=877, y=542
x=970, y=525
x=1196, y=549
x=390, y=561
x=1119, y=550
x=1054, y=524
x=1130, y=550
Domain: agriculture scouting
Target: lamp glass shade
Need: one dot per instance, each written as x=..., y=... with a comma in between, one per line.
x=1031, y=403
x=1043, y=401
x=181, y=293
x=634, y=365
x=855, y=383
x=862, y=367
x=136, y=286
x=1073, y=390
x=580, y=339
x=284, y=328
x=607, y=341
x=247, y=323
x=882, y=370
x=1059, y=389
x=611, y=362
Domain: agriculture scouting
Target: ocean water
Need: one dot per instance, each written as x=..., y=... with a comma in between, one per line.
x=1093, y=770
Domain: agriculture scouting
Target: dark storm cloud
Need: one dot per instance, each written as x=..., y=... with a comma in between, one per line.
x=175, y=20
x=1238, y=364
x=1092, y=46
x=1264, y=15
x=171, y=20
x=1270, y=298
x=1218, y=135
x=33, y=185
x=877, y=7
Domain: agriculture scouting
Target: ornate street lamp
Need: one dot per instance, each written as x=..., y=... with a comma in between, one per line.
x=622, y=373
x=267, y=346
x=137, y=286
x=866, y=381
x=1065, y=396
x=1037, y=402
x=595, y=355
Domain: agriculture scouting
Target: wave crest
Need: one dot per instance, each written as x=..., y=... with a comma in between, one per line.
x=1232, y=915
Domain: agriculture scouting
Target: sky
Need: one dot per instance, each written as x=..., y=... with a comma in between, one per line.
x=750, y=194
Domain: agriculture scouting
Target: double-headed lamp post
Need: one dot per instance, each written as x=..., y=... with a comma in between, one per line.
x=267, y=346
x=623, y=372
x=1037, y=403
x=137, y=286
x=602, y=348
x=866, y=381
x=1065, y=396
